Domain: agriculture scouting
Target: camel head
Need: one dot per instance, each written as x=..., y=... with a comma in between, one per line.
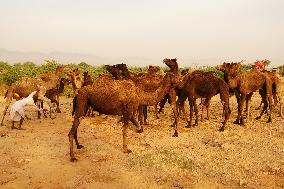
x=230, y=69
x=123, y=69
x=153, y=69
x=171, y=63
x=75, y=78
x=184, y=72
x=59, y=69
x=114, y=71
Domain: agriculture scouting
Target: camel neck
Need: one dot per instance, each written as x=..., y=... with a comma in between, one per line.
x=153, y=98
x=232, y=82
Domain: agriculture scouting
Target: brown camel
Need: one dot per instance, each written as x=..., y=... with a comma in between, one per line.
x=171, y=96
x=114, y=71
x=53, y=95
x=148, y=82
x=204, y=85
x=276, y=90
x=113, y=97
x=245, y=84
x=23, y=88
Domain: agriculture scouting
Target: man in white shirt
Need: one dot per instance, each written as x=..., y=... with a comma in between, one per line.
x=17, y=112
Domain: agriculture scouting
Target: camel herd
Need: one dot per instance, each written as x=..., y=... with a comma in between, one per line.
x=128, y=94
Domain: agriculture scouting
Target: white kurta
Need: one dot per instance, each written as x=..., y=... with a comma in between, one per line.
x=17, y=109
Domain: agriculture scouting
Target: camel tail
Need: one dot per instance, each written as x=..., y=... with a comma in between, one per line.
x=74, y=105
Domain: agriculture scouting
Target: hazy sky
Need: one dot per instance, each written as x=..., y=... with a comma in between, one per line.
x=194, y=31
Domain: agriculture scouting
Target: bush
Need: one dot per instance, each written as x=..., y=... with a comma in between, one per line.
x=281, y=70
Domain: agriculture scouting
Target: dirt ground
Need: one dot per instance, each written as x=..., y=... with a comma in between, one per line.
x=201, y=157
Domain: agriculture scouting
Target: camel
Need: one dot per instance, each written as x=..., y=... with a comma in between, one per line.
x=204, y=85
x=171, y=96
x=23, y=88
x=114, y=71
x=244, y=85
x=148, y=82
x=114, y=97
x=43, y=83
x=53, y=95
x=276, y=90
x=205, y=103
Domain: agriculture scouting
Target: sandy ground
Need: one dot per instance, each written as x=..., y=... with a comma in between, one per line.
x=201, y=157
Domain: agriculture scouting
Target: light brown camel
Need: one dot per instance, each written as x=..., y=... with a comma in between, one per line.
x=113, y=97
x=276, y=90
x=204, y=85
x=244, y=85
x=53, y=95
x=76, y=79
x=23, y=88
x=148, y=82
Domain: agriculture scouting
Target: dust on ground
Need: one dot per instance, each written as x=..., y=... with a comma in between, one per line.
x=201, y=157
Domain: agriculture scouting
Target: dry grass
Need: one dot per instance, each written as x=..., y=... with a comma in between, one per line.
x=201, y=157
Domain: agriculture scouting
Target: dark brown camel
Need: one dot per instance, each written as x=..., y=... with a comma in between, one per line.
x=204, y=85
x=87, y=79
x=245, y=84
x=171, y=96
x=113, y=97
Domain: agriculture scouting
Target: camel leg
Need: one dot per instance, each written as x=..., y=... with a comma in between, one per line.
x=79, y=146
x=124, y=134
x=145, y=115
x=202, y=110
x=57, y=104
x=71, y=137
x=270, y=101
x=182, y=109
x=39, y=105
x=13, y=125
x=185, y=114
x=208, y=112
x=265, y=106
x=261, y=102
x=172, y=100
x=241, y=102
x=248, y=99
x=281, y=105
x=196, y=112
x=4, y=114
x=156, y=111
x=176, y=119
x=139, y=128
x=190, y=112
x=21, y=123
x=140, y=115
x=227, y=113
x=163, y=102
x=81, y=109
